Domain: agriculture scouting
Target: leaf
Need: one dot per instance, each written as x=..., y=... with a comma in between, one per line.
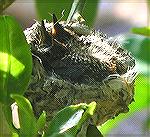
x=61, y=135
x=41, y=121
x=145, y=31
x=4, y=127
x=15, y=59
x=55, y=6
x=88, y=113
x=92, y=131
x=65, y=119
x=69, y=120
x=27, y=120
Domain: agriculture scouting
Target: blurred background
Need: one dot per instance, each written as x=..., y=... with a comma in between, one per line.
x=112, y=16
x=116, y=18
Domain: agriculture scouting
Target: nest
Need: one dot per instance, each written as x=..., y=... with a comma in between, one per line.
x=72, y=64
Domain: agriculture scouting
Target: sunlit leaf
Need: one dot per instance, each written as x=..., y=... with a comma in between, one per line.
x=15, y=59
x=69, y=120
x=41, y=121
x=143, y=31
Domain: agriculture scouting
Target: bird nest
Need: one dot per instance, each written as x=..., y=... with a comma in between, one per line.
x=73, y=64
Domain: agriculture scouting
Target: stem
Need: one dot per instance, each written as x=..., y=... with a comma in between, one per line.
x=77, y=7
x=4, y=4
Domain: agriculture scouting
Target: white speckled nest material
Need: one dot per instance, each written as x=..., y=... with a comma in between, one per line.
x=72, y=64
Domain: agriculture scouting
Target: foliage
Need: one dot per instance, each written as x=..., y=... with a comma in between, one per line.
x=69, y=121
x=143, y=31
x=15, y=65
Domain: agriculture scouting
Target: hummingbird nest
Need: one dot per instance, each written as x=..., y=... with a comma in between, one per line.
x=72, y=65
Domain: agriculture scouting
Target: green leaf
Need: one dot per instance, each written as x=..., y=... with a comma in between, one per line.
x=92, y=131
x=69, y=120
x=143, y=31
x=4, y=127
x=88, y=113
x=55, y=6
x=27, y=120
x=41, y=121
x=15, y=59
x=61, y=135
